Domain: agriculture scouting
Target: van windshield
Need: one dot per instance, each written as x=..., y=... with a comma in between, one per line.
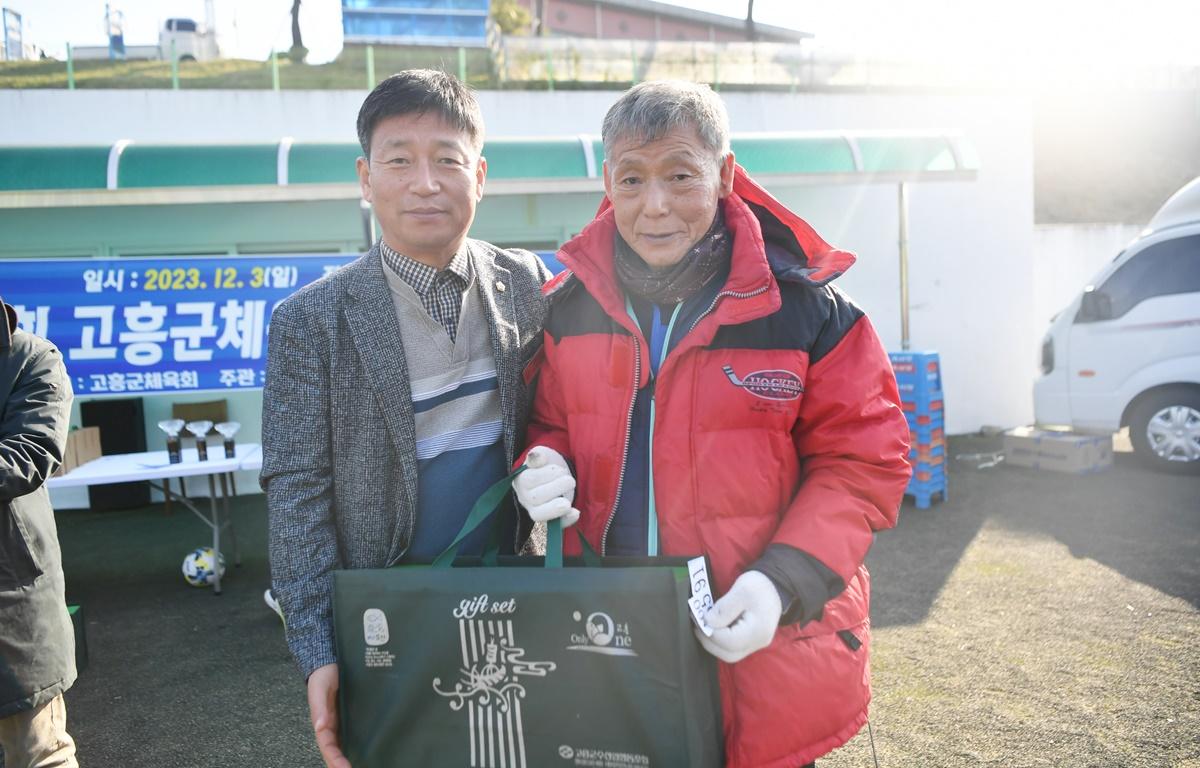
x=1167, y=268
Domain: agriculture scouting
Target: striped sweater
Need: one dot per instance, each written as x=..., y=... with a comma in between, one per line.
x=456, y=401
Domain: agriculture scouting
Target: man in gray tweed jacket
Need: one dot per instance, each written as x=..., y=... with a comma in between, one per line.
x=394, y=392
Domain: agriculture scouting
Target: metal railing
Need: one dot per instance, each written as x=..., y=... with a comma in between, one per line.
x=549, y=63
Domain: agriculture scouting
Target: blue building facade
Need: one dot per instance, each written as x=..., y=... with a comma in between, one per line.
x=416, y=22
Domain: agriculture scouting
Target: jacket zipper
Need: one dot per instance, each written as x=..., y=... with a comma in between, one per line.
x=637, y=376
x=734, y=294
x=712, y=306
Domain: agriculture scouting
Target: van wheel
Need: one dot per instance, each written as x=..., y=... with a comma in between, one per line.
x=1165, y=431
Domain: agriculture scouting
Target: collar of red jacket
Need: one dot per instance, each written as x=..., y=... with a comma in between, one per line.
x=796, y=253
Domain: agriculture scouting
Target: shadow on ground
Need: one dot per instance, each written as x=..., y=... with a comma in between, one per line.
x=1142, y=524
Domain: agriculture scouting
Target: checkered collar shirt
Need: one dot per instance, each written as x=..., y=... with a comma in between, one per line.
x=441, y=291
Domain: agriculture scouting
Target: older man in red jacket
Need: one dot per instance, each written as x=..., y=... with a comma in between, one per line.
x=703, y=388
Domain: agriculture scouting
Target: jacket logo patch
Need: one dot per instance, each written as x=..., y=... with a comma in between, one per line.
x=769, y=385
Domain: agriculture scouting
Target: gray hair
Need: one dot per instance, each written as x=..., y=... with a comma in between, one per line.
x=648, y=111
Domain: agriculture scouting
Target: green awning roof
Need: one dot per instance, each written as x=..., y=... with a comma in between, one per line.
x=527, y=165
x=53, y=167
x=198, y=166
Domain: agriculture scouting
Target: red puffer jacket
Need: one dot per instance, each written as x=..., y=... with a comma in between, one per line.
x=777, y=420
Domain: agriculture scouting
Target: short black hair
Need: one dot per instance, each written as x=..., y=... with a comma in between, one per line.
x=417, y=91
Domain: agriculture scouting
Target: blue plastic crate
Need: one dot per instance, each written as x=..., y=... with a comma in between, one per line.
x=927, y=434
x=909, y=362
x=910, y=388
x=916, y=372
x=926, y=401
x=924, y=498
x=926, y=451
x=926, y=486
x=924, y=473
x=930, y=469
x=929, y=419
x=927, y=476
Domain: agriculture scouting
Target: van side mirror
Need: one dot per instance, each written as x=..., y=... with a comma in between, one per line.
x=1096, y=305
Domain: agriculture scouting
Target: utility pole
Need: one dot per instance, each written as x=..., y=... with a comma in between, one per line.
x=296, y=41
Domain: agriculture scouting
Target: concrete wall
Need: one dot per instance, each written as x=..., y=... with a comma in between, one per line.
x=972, y=275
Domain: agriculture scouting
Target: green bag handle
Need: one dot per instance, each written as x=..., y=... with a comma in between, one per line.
x=554, y=543
x=483, y=509
x=591, y=558
x=485, y=505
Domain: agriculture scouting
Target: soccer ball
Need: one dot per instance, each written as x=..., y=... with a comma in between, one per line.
x=198, y=567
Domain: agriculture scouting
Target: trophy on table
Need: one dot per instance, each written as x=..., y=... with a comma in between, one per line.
x=228, y=429
x=174, y=448
x=200, y=430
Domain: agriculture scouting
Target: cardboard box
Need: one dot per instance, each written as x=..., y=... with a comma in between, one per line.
x=1057, y=451
x=83, y=445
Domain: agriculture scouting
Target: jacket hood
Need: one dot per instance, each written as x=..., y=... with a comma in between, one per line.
x=799, y=253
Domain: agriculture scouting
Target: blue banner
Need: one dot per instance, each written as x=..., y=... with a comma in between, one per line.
x=550, y=258
x=145, y=325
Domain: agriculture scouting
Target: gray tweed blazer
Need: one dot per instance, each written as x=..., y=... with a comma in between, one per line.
x=339, y=439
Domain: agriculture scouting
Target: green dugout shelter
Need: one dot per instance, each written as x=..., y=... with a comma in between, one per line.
x=138, y=199
x=291, y=197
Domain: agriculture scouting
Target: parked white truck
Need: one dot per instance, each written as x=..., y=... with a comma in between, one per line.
x=189, y=41
x=1126, y=351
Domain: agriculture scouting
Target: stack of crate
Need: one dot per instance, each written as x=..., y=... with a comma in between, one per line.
x=919, y=376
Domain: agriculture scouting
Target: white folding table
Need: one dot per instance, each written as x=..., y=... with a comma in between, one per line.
x=155, y=465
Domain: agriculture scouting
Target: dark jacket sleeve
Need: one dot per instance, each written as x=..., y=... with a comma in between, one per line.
x=37, y=649
x=803, y=582
x=33, y=428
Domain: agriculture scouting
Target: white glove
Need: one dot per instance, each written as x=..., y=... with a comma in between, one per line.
x=744, y=620
x=547, y=488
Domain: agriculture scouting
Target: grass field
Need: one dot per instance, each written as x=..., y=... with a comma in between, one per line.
x=348, y=71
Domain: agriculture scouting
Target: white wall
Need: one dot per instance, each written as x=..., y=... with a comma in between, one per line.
x=972, y=256
x=970, y=243
x=51, y=117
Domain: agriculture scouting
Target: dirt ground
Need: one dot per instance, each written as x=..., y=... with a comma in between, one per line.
x=1038, y=619
x=1032, y=619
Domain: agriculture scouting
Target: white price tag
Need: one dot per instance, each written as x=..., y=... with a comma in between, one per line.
x=701, y=599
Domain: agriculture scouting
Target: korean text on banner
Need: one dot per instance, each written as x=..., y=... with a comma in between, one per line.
x=145, y=325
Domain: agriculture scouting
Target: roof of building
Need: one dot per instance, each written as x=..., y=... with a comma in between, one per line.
x=704, y=17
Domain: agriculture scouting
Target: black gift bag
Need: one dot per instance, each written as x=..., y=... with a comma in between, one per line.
x=523, y=662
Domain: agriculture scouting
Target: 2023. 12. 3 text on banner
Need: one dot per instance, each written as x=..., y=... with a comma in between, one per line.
x=163, y=324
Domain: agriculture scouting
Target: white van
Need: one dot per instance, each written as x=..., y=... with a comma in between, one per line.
x=1126, y=352
x=191, y=41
